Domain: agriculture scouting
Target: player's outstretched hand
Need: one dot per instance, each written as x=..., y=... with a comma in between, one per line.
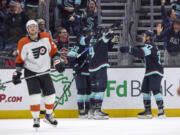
x=59, y=65
x=124, y=49
x=16, y=77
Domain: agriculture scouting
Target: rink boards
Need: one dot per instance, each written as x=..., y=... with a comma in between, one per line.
x=122, y=97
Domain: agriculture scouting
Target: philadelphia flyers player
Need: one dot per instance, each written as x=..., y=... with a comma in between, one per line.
x=35, y=53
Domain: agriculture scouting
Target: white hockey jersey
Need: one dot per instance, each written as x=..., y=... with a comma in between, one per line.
x=36, y=56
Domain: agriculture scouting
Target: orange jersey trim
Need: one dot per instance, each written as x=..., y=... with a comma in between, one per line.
x=35, y=107
x=21, y=43
x=49, y=106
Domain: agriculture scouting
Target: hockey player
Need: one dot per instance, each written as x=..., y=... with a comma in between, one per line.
x=35, y=53
x=98, y=63
x=153, y=75
x=80, y=66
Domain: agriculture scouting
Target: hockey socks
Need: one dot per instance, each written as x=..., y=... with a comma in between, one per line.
x=83, y=102
x=98, y=114
x=146, y=114
x=49, y=105
x=160, y=104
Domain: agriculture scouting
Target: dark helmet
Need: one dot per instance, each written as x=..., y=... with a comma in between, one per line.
x=149, y=33
x=85, y=31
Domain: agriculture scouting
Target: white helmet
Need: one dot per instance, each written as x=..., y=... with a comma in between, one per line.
x=31, y=22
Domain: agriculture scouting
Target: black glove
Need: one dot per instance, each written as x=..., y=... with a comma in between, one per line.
x=124, y=49
x=59, y=66
x=16, y=77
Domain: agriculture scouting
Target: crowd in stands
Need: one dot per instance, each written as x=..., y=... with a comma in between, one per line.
x=169, y=32
x=73, y=15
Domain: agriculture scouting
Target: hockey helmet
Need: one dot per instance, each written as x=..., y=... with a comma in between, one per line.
x=149, y=33
x=31, y=22
x=85, y=31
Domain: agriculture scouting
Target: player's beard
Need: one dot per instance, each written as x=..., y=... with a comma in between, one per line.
x=33, y=33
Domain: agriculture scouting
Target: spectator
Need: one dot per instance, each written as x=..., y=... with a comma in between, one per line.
x=31, y=7
x=172, y=37
x=42, y=26
x=3, y=13
x=52, y=15
x=62, y=40
x=175, y=4
x=167, y=16
x=90, y=16
x=69, y=17
x=4, y=6
x=14, y=24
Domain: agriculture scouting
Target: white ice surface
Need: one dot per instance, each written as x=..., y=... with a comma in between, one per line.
x=113, y=126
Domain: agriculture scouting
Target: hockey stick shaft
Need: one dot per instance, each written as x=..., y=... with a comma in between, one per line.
x=124, y=19
x=79, y=55
x=29, y=77
x=59, y=98
x=82, y=65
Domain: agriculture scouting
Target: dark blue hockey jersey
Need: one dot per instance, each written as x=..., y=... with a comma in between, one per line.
x=98, y=53
x=151, y=56
x=81, y=62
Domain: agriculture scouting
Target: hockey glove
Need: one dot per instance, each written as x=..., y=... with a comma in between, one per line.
x=125, y=49
x=16, y=77
x=59, y=65
x=115, y=39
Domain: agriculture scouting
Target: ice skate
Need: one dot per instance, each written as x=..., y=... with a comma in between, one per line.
x=36, y=124
x=145, y=115
x=161, y=114
x=99, y=115
x=83, y=114
x=91, y=113
x=48, y=118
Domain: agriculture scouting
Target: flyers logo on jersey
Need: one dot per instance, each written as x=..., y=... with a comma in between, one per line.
x=39, y=51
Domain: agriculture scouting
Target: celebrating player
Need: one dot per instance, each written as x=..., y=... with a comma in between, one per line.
x=80, y=66
x=98, y=63
x=153, y=75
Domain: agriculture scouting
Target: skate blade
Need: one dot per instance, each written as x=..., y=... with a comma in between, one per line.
x=47, y=122
x=90, y=116
x=145, y=117
x=101, y=118
x=83, y=116
x=160, y=117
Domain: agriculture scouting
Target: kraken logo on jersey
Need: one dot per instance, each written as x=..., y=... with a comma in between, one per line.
x=39, y=51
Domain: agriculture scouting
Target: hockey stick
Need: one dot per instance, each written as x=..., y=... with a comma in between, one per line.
x=29, y=77
x=116, y=24
x=79, y=55
x=59, y=98
x=129, y=31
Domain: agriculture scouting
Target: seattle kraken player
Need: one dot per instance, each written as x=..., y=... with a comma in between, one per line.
x=98, y=63
x=80, y=66
x=153, y=75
